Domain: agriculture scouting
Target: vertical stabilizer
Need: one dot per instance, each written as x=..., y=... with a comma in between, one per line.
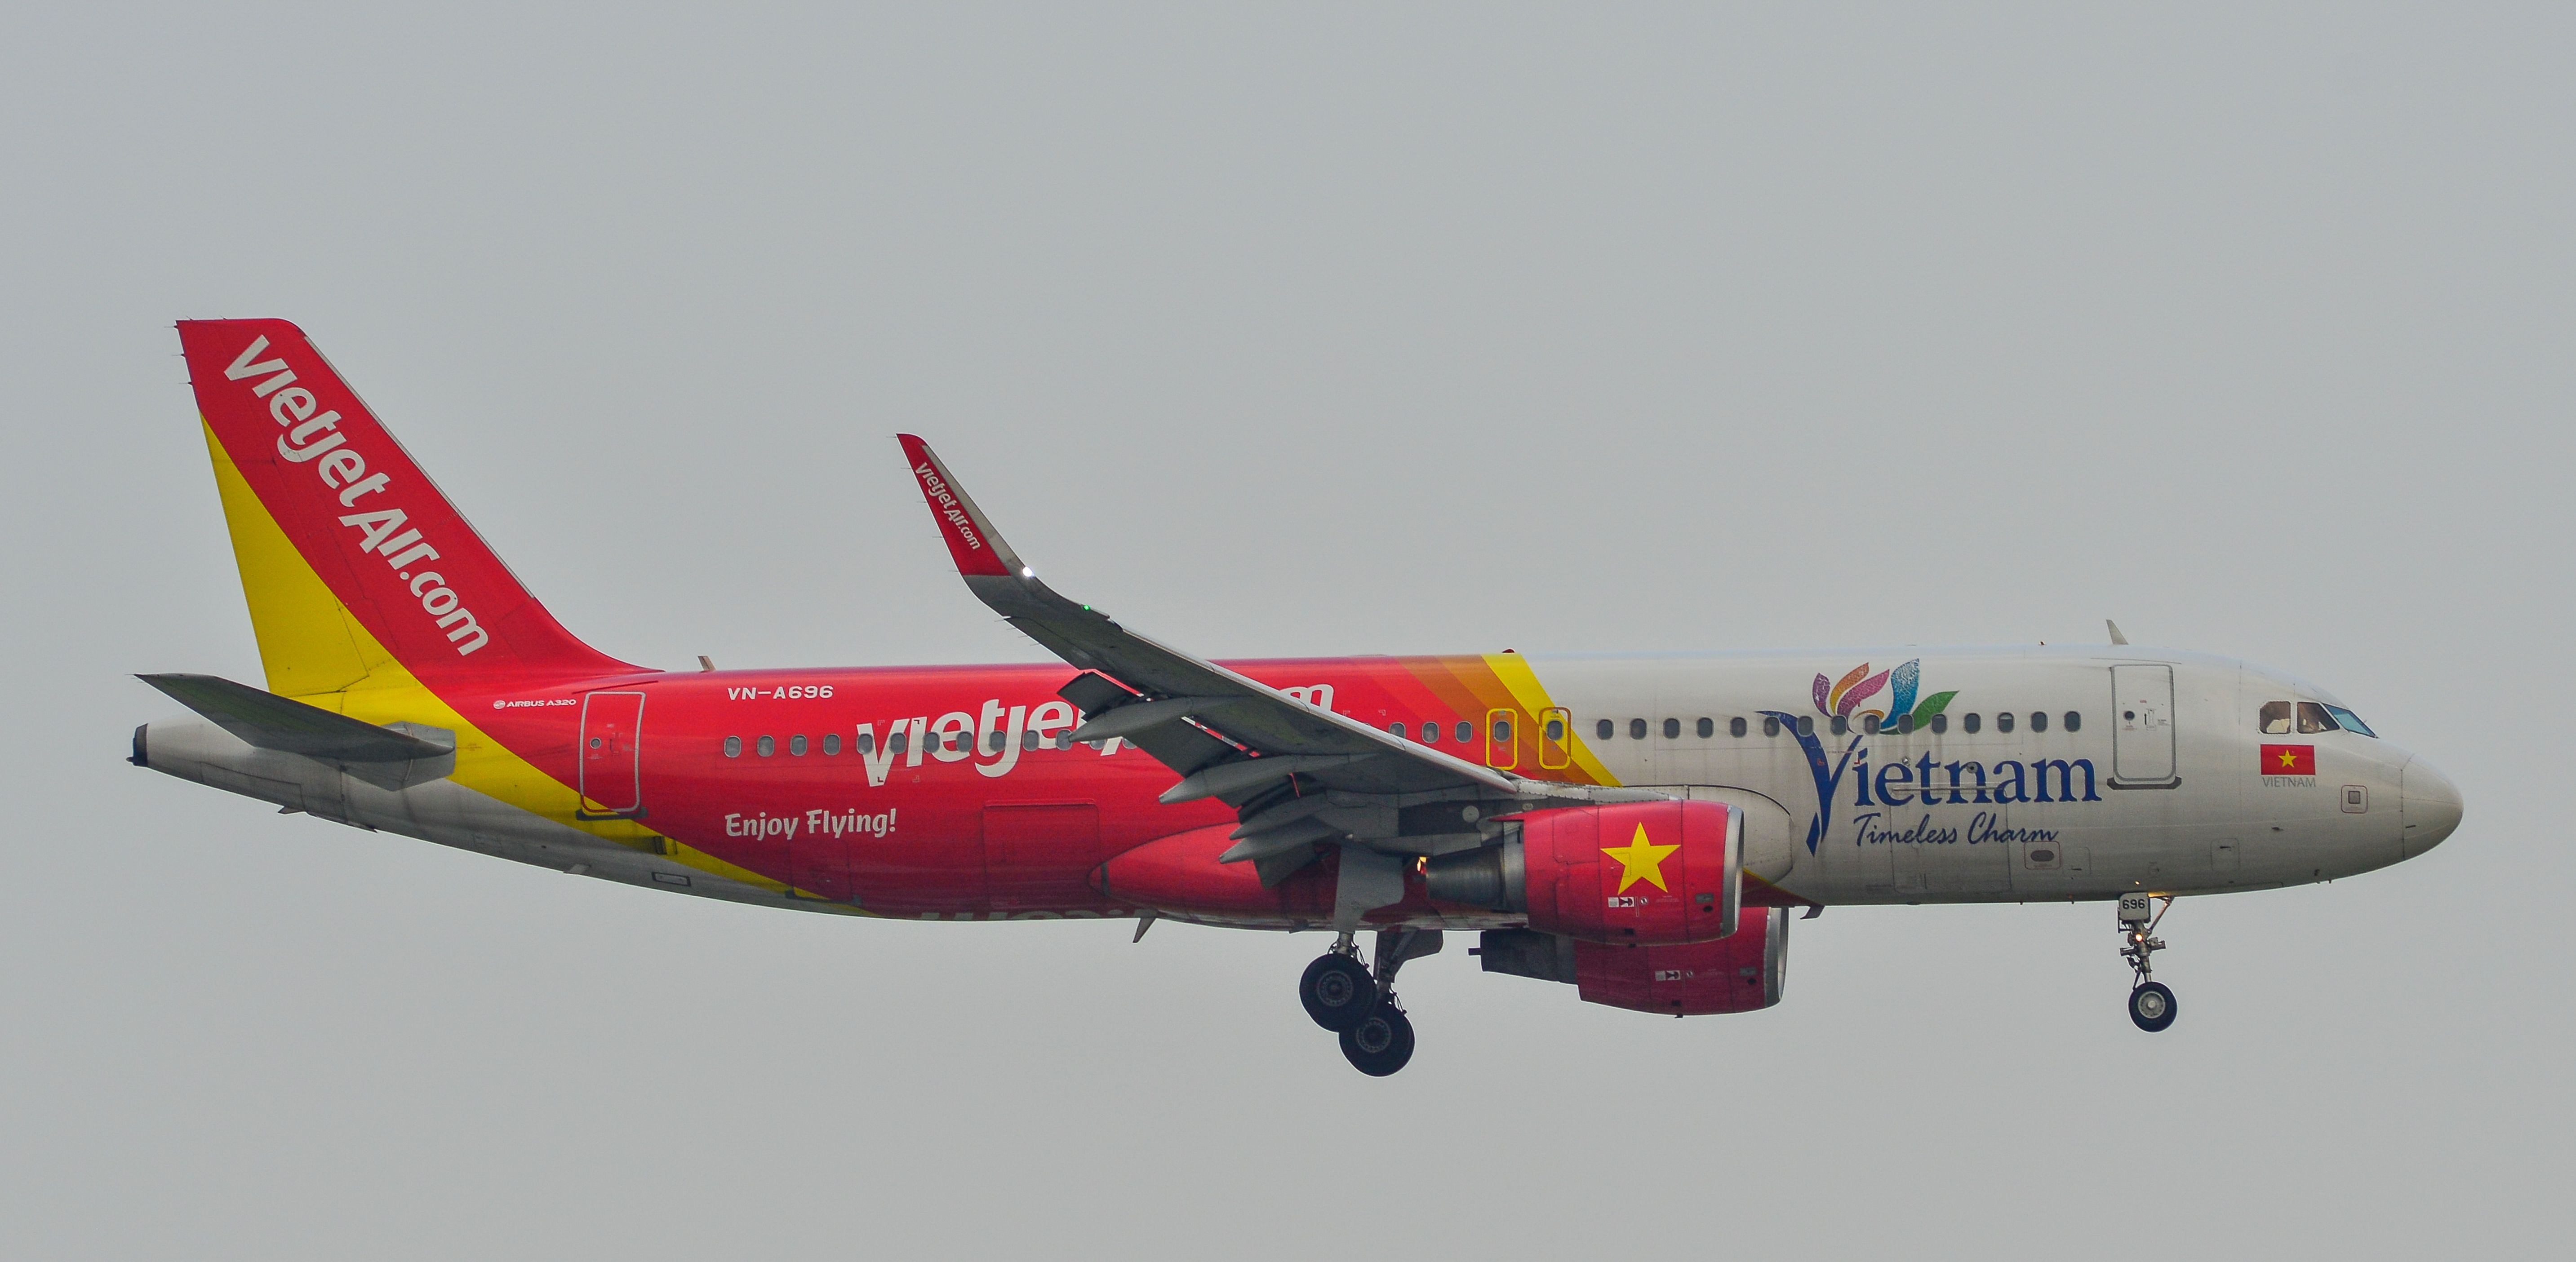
x=351, y=559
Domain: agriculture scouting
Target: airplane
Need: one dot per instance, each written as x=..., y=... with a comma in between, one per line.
x=1639, y=827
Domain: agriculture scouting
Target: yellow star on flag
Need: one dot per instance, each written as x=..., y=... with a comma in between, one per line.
x=1642, y=860
x=2289, y=759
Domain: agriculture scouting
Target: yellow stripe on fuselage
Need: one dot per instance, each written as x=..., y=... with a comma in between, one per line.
x=1522, y=682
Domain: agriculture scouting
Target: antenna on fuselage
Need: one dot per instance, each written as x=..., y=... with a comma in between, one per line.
x=2116, y=637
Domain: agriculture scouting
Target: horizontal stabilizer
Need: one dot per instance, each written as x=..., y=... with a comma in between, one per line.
x=390, y=758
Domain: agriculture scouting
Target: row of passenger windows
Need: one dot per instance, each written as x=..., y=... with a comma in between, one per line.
x=2276, y=718
x=1466, y=731
x=1840, y=724
x=896, y=743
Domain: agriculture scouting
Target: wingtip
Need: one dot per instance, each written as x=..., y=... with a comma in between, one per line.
x=973, y=544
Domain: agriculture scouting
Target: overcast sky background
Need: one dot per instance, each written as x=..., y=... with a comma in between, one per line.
x=1286, y=330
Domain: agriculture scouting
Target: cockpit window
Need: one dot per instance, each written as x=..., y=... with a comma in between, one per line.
x=2313, y=718
x=2276, y=718
x=2350, y=722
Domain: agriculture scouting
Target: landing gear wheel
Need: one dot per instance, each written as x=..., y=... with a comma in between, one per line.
x=1381, y=1043
x=1338, y=992
x=2151, y=1002
x=2151, y=1005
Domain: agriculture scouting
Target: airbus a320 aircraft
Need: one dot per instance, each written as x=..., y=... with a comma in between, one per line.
x=1640, y=828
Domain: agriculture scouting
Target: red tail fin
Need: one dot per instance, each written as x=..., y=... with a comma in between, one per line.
x=371, y=526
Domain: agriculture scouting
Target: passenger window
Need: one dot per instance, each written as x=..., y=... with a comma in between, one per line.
x=1807, y=726
x=1502, y=731
x=1603, y=729
x=898, y=742
x=2350, y=721
x=1672, y=729
x=867, y=742
x=1970, y=723
x=1707, y=728
x=2039, y=720
x=1467, y=733
x=1868, y=723
x=1905, y=723
x=1636, y=729
x=993, y=743
x=2274, y=718
x=1398, y=729
x=2003, y=721
x=2313, y=718
x=733, y=747
x=1735, y=726
x=796, y=745
x=1770, y=726
x=1940, y=724
x=1430, y=733
x=1064, y=739
x=1555, y=730
x=2074, y=721
x=831, y=743
x=767, y=745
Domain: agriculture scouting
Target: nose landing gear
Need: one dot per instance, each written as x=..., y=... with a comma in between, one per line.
x=2151, y=1002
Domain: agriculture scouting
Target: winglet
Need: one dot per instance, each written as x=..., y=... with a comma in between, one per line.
x=973, y=543
x=2116, y=637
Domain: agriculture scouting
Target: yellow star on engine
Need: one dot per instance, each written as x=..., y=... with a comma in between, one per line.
x=1642, y=860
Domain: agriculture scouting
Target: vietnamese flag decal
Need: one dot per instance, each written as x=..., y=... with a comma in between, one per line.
x=2289, y=760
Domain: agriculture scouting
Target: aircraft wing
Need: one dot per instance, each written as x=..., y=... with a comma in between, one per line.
x=1229, y=737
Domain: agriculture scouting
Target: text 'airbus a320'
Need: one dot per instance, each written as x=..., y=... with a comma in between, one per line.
x=1641, y=829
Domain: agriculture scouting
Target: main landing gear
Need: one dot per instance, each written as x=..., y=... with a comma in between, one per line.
x=2151, y=1002
x=1337, y=989
x=1344, y=996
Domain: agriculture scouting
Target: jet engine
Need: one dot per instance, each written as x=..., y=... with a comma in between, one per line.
x=1642, y=872
x=1735, y=974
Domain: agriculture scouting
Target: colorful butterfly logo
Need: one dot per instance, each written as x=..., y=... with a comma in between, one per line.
x=1842, y=697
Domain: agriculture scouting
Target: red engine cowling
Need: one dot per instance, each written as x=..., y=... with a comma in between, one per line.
x=1741, y=973
x=1642, y=872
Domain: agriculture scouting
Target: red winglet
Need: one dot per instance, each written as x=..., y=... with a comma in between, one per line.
x=972, y=542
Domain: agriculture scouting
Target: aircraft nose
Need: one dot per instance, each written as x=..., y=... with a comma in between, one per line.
x=2428, y=803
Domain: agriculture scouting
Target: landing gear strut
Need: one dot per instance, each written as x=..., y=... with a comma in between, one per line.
x=2151, y=1002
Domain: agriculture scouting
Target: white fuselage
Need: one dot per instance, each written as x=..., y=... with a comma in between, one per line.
x=2157, y=784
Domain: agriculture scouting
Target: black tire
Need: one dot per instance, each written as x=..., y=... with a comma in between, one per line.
x=1381, y=1043
x=1338, y=992
x=2152, y=1006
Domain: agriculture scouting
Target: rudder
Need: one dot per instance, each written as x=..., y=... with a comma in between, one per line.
x=351, y=559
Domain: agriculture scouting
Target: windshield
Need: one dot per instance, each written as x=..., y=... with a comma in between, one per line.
x=2350, y=722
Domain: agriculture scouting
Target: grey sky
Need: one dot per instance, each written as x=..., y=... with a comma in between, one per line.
x=1298, y=330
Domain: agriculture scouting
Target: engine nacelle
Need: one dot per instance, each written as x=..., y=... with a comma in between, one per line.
x=1642, y=872
x=1741, y=973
